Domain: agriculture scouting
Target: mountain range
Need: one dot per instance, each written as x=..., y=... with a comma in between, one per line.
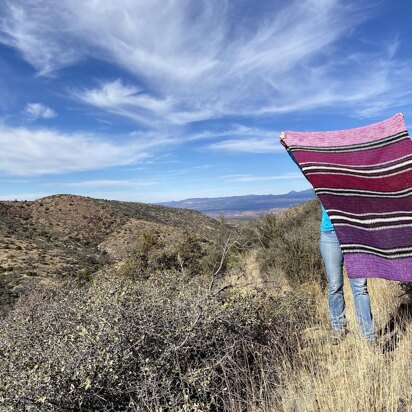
x=243, y=206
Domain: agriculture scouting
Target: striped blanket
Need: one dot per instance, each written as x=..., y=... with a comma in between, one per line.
x=363, y=178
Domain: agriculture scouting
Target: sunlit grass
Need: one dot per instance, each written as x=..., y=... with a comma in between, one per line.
x=353, y=376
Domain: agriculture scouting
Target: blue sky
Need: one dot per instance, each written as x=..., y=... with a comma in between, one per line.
x=160, y=100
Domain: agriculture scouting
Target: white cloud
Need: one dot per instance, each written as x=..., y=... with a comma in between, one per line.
x=250, y=178
x=125, y=100
x=198, y=60
x=24, y=196
x=106, y=183
x=39, y=111
x=241, y=139
x=31, y=152
x=249, y=145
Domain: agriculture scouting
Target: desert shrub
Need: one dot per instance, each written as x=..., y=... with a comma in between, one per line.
x=166, y=344
x=224, y=249
x=7, y=296
x=290, y=243
x=190, y=255
x=267, y=229
x=82, y=276
x=147, y=256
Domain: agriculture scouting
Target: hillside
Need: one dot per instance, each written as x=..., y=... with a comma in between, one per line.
x=259, y=329
x=62, y=234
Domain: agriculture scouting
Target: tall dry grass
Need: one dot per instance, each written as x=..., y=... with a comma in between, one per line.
x=322, y=377
x=247, y=333
x=353, y=376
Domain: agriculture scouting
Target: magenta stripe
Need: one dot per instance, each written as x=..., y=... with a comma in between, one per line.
x=356, y=135
x=363, y=265
x=383, y=183
x=363, y=157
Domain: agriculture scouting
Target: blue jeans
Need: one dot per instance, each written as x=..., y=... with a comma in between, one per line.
x=333, y=260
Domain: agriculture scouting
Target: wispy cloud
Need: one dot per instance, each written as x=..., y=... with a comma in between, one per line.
x=124, y=100
x=31, y=152
x=23, y=196
x=99, y=183
x=248, y=145
x=279, y=61
x=39, y=111
x=241, y=139
x=250, y=178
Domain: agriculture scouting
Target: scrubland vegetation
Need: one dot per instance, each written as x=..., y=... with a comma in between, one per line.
x=235, y=323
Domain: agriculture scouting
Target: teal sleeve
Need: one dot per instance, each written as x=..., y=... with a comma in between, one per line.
x=325, y=223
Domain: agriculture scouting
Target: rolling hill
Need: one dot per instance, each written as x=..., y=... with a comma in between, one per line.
x=60, y=235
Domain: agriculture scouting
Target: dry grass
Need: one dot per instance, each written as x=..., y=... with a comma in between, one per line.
x=323, y=377
x=252, y=337
x=354, y=376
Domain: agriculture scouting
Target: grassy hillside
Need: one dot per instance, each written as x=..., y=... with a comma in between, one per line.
x=62, y=235
x=239, y=325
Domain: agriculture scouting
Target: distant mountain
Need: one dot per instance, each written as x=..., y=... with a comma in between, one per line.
x=243, y=206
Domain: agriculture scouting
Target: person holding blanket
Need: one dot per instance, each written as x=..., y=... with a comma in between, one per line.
x=333, y=260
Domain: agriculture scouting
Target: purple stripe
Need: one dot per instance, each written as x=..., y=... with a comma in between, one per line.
x=362, y=204
x=362, y=265
x=384, y=238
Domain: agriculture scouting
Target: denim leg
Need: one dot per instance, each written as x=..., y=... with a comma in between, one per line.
x=333, y=260
x=363, y=307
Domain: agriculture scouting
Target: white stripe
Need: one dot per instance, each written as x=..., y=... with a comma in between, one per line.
x=377, y=254
x=369, y=177
x=365, y=193
x=409, y=162
x=371, y=165
x=339, y=189
x=370, y=221
x=376, y=249
x=366, y=214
